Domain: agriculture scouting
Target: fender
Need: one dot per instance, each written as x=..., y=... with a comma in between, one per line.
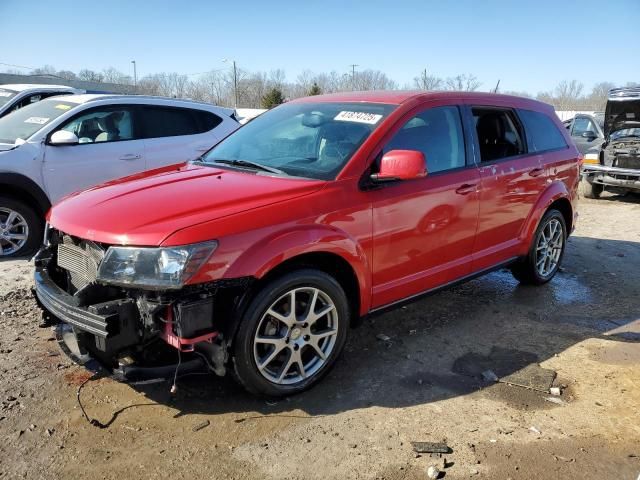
x=10, y=181
x=553, y=192
x=271, y=251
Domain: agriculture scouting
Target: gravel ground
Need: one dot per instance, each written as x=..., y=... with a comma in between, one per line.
x=359, y=422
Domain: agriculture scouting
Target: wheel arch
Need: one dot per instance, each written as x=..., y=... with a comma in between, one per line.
x=556, y=196
x=22, y=188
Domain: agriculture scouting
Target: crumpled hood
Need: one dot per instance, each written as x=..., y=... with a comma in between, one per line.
x=621, y=113
x=145, y=209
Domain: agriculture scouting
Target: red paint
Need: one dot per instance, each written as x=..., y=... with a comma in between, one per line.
x=180, y=343
x=400, y=239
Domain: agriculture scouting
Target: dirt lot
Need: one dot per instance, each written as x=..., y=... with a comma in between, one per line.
x=359, y=422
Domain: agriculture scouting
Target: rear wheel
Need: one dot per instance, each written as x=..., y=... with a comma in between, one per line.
x=20, y=228
x=292, y=333
x=545, y=253
x=591, y=190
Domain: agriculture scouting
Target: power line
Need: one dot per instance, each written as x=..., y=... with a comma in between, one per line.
x=17, y=66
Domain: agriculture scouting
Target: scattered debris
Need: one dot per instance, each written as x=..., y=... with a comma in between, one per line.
x=430, y=447
x=433, y=472
x=563, y=459
x=383, y=337
x=489, y=376
x=413, y=332
x=473, y=471
x=535, y=430
x=201, y=425
x=557, y=391
x=555, y=400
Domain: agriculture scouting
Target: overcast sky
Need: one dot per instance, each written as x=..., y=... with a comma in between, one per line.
x=529, y=46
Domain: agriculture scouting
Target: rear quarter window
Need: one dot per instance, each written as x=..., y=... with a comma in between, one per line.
x=174, y=121
x=542, y=132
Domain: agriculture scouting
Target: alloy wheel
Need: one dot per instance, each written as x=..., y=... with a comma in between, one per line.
x=14, y=231
x=549, y=247
x=296, y=336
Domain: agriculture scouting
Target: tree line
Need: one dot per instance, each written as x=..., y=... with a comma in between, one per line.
x=266, y=89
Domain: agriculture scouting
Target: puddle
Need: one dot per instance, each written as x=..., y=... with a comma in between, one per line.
x=564, y=288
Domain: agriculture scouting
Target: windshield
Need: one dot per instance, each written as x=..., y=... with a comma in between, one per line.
x=23, y=123
x=6, y=96
x=625, y=132
x=312, y=140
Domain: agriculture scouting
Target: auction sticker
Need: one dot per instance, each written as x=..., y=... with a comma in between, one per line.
x=63, y=107
x=358, y=117
x=37, y=120
x=5, y=94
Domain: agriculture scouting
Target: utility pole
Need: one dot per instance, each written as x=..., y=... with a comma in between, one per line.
x=353, y=76
x=135, y=76
x=424, y=79
x=235, y=81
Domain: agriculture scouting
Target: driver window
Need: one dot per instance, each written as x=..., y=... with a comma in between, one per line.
x=582, y=125
x=436, y=132
x=102, y=126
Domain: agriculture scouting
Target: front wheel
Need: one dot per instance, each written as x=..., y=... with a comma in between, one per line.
x=291, y=334
x=591, y=190
x=546, y=251
x=20, y=228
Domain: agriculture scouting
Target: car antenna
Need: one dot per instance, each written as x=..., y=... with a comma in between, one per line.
x=495, y=90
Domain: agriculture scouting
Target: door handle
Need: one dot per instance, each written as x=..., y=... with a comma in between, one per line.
x=536, y=172
x=466, y=188
x=130, y=156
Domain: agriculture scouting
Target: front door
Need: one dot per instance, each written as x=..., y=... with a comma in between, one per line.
x=108, y=149
x=423, y=230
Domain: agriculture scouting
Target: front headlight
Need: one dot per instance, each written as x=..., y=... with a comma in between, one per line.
x=154, y=268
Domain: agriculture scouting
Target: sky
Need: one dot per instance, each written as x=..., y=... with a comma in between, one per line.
x=528, y=46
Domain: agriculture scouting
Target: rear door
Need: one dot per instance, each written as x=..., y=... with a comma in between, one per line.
x=109, y=148
x=177, y=134
x=511, y=179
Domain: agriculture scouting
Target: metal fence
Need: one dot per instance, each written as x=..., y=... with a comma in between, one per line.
x=55, y=80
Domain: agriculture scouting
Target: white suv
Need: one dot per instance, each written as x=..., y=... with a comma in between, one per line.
x=16, y=96
x=65, y=144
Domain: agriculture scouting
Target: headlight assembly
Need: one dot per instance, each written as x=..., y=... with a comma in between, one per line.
x=154, y=268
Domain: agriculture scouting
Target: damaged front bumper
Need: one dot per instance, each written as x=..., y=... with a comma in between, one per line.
x=612, y=176
x=135, y=334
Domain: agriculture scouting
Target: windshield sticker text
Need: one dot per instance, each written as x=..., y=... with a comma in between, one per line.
x=37, y=120
x=359, y=117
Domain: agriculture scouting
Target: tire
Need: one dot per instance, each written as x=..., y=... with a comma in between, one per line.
x=298, y=365
x=528, y=270
x=24, y=235
x=591, y=190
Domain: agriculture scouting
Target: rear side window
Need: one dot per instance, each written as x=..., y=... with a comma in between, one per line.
x=436, y=132
x=542, y=132
x=173, y=122
x=499, y=134
x=582, y=125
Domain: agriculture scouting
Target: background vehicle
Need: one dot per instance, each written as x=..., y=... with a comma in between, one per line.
x=614, y=163
x=15, y=96
x=312, y=215
x=61, y=145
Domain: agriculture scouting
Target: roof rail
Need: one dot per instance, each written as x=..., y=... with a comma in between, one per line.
x=150, y=97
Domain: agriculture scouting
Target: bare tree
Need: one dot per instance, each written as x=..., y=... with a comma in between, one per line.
x=599, y=93
x=90, y=76
x=463, y=82
x=427, y=82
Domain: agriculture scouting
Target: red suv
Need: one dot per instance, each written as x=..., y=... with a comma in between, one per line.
x=260, y=255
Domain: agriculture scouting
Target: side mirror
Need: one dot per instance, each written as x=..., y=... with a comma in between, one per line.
x=62, y=137
x=401, y=165
x=589, y=134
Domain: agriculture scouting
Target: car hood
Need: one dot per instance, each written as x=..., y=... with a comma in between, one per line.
x=621, y=114
x=145, y=209
x=7, y=146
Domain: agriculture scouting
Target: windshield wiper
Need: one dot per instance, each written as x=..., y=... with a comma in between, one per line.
x=249, y=164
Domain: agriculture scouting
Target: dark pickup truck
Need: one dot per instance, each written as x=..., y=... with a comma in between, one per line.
x=615, y=163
